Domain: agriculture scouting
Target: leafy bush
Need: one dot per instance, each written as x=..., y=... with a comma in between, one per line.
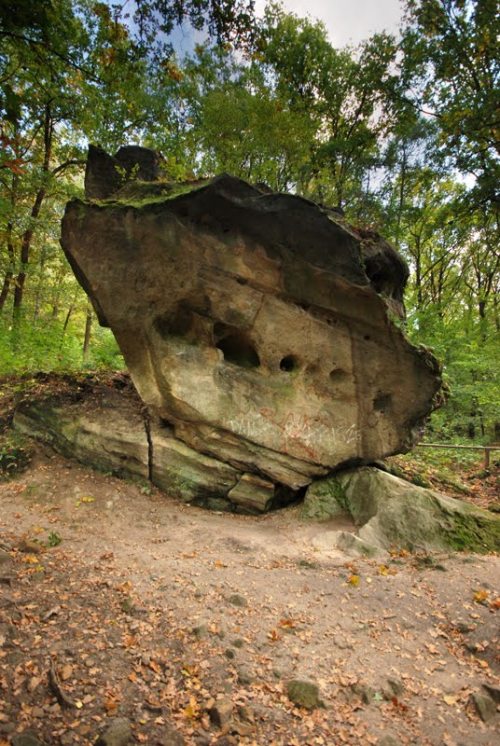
x=15, y=455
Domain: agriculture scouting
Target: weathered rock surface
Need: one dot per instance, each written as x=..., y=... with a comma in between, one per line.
x=485, y=706
x=390, y=512
x=108, y=430
x=103, y=429
x=303, y=693
x=257, y=327
x=105, y=174
x=118, y=733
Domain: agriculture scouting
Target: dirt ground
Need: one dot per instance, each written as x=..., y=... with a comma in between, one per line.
x=116, y=601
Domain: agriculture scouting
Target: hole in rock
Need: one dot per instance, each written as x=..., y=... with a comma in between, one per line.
x=382, y=402
x=289, y=363
x=176, y=323
x=222, y=330
x=367, y=337
x=337, y=374
x=238, y=349
x=166, y=425
x=284, y=496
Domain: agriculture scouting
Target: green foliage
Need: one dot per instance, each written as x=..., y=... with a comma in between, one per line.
x=53, y=539
x=44, y=345
x=451, y=57
x=15, y=455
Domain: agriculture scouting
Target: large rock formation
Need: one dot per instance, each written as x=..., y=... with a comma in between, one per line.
x=258, y=328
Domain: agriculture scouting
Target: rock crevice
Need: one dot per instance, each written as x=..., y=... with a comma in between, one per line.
x=112, y=432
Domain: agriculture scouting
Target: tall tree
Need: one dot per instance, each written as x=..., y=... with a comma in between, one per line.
x=451, y=54
x=342, y=91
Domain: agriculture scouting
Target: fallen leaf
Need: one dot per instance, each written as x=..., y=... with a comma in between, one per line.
x=33, y=683
x=481, y=595
x=192, y=710
x=66, y=672
x=287, y=623
x=274, y=635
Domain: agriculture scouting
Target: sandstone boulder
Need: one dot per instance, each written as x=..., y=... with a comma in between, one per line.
x=258, y=328
x=390, y=512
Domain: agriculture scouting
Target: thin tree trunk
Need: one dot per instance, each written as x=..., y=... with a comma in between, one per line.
x=12, y=258
x=35, y=212
x=4, y=292
x=401, y=200
x=38, y=297
x=87, y=335
x=66, y=320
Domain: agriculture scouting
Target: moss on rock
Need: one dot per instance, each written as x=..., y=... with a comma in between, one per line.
x=325, y=499
x=303, y=693
x=391, y=512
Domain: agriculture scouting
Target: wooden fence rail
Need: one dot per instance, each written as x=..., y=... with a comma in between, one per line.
x=486, y=449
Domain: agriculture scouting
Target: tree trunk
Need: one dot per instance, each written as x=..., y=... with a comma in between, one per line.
x=48, y=128
x=66, y=320
x=38, y=296
x=87, y=335
x=12, y=258
x=401, y=198
x=4, y=292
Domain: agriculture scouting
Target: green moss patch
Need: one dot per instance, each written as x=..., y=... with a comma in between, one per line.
x=325, y=499
x=143, y=193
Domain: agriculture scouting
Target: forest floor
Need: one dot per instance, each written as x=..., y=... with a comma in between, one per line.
x=116, y=601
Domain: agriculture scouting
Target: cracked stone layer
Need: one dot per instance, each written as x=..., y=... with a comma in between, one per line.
x=254, y=324
x=109, y=433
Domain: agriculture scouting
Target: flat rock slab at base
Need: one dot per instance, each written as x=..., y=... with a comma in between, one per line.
x=392, y=513
x=108, y=431
x=118, y=733
x=258, y=327
x=373, y=510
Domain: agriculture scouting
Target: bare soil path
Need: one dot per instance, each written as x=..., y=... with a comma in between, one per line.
x=190, y=624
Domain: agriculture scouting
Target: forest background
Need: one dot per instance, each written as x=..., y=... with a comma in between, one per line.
x=400, y=132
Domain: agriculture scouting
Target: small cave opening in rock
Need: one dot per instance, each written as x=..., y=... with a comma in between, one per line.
x=285, y=497
x=174, y=323
x=382, y=403
x=239, y=350
x=289, y=363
